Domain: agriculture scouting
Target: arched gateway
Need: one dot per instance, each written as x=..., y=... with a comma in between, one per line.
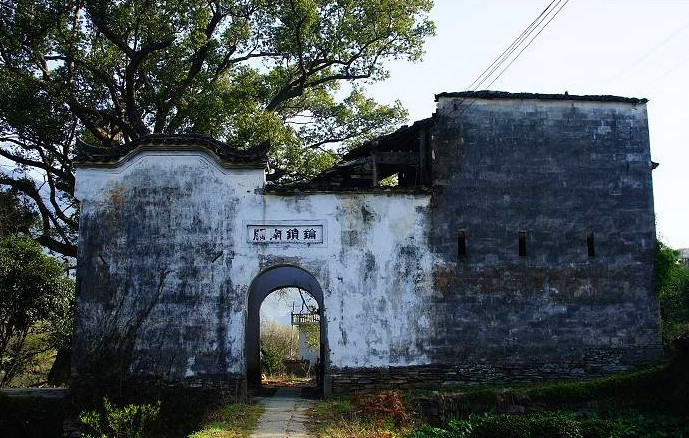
x=271, y=279
x=479, y=264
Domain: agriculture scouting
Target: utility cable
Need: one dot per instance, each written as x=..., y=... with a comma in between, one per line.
x=515, y=47
x=648, y=53
x=510, y=49
x=547, y=14
x=529, y=43
x=670, y=70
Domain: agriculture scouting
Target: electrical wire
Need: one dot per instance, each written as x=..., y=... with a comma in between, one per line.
x=500, y=59
x=648, y=53
x=543, y=16
x=529, y=43
x=671, y=70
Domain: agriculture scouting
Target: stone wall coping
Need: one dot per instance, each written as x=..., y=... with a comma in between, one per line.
x=226, y=155
x=488, y=94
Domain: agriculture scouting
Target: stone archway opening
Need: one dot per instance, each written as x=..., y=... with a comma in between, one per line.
x=293, y=280
x=289, y=343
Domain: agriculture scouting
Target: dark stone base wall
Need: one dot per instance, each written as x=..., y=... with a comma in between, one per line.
x=32, y=412
x=596, y=363
x=207, y=389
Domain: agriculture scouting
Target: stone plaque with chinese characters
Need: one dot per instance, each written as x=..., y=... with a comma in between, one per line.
x=291, y=233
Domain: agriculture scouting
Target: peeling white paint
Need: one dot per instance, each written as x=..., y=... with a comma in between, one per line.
x=371, y=320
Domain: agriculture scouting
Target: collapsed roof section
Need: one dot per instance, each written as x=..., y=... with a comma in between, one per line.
x=406, y=154
x=403, y=155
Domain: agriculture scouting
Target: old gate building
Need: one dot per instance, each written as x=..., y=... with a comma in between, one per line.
x=518, y=242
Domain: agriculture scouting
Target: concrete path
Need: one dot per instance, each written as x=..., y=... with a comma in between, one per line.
x=285, y=415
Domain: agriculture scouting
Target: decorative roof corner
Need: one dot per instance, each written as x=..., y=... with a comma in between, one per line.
x=228, y=155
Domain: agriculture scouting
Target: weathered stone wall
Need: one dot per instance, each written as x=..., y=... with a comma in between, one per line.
x=166, y=262
x=558, y=170
x=156, y=239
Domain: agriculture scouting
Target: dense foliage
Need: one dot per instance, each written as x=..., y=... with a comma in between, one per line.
x=242, y=71
x=278, y=343
x=560, y=425
x=130, y=421
x=313, y=335
x=673, y=292
x=36, y=301
x=16, y=215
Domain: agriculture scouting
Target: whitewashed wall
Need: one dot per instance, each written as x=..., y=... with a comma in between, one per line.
x=374, y=265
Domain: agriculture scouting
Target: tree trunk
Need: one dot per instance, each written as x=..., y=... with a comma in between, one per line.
x=59, y=372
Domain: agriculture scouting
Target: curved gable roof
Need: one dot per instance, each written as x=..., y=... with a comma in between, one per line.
x=226, y=154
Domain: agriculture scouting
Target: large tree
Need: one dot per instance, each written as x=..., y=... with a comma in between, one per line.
x=35, y=305
x=243, y=71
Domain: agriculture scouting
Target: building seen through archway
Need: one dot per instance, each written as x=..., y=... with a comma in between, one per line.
x=289, y=340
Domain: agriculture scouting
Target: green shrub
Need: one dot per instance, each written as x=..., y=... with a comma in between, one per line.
x=501, y=426
x=130, y=421
x=36, y=306
x=462, y=428
x=601, y=428
x=672, y=287
x=554, y=426
x=278, y=343
x=643, y=425
x=427, y=431
x=561, y=425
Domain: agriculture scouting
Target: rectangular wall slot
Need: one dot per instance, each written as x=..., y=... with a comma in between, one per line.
x=590, y=244
x=461, y=244
x=522, y=244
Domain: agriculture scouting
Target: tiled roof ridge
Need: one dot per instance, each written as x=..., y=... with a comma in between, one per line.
x=87, y=153
x=489, y=94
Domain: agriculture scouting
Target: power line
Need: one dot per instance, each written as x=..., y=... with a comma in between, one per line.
x=671, y=69
x=648, y=53
x=549, y=13
x=529, y=43
x=505, y=53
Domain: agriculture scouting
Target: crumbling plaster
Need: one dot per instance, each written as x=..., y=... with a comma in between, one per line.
x=164, y=234
x=185, y=214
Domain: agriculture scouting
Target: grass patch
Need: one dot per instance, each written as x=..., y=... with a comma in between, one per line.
x=646, y=389
x=235, y=420
x=561, y=425
x=637, y=404
x=383, y=415
x=36, y=371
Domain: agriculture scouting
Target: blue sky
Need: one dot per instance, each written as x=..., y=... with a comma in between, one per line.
x=278, y=307
x=634, y=48
x=626, y=48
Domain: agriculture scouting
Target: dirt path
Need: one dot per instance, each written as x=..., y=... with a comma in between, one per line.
x=285, y=415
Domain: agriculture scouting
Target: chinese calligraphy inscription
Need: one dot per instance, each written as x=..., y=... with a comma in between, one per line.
x=285, y=233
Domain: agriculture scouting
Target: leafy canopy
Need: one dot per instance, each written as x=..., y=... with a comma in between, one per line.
x=243, y=71
x=35, y=296
x=278, y=342
x=672, y=287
